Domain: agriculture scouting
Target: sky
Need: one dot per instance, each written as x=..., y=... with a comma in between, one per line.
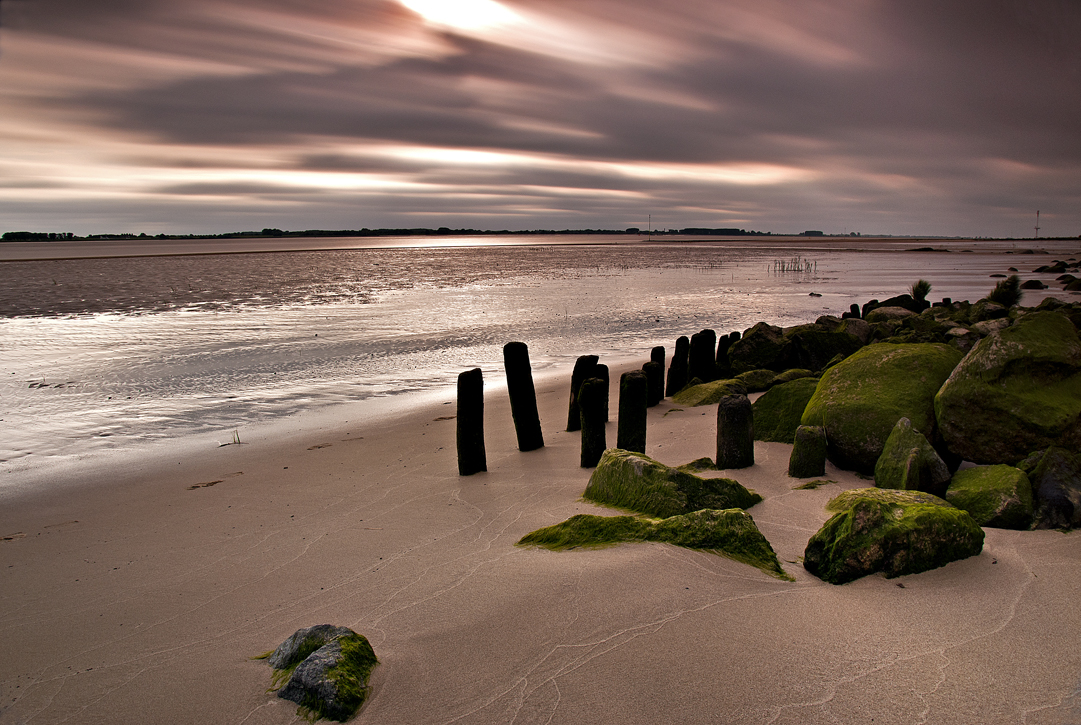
x=905, y=117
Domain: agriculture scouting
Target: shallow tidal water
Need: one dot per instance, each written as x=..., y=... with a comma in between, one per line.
x=107, y=353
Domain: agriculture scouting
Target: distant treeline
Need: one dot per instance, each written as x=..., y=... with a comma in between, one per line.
x=413, y=232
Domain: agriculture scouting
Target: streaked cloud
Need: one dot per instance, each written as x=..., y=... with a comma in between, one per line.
x=951, y=117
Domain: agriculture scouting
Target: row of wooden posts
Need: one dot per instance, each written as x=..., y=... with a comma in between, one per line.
x=588, y=409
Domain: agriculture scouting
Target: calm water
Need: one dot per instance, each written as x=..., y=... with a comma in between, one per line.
x=100, y=354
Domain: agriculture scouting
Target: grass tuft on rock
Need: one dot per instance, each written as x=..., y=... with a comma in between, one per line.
x=731, y=533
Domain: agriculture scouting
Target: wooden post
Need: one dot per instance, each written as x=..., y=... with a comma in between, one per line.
x=677, y=373
x=631, y=427
x=735, y=432
x=703, y=356
x=654, y=382
x=583, y=369
x=523, y=396
x=470, y=420
x=593, y=403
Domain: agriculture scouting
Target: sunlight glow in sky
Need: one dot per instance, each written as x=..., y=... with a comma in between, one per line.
x=462, y=14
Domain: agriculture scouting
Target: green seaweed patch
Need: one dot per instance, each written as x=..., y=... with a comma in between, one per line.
x=812, y=485
x=279, y=677
x=350, y=678
x=730, y=533
x=672, y=410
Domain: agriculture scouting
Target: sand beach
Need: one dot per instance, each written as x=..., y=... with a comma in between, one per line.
x=138, y=594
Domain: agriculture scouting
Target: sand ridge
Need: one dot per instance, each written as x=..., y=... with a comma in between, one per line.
x=140, y=596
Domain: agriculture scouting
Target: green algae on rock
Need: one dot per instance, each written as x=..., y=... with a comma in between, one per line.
x=894, y=532
x=1017, y=391
x=325, y=670
x=778, y=411
x=757, y=380
x=729, y=532
x=708, y=393
x=909, y=463
x=859, y=400
x=1055, y=475
x=997, y=496
x=635, y=482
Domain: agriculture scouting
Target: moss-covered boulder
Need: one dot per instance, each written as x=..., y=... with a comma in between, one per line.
x=730, y=532
x=1017, y=391
x=909, y=463
x=777, y=412
x=755, y=381
x=760, y=347
x=894, y=532
x=325, y=670
x=859, y=400
x=708, y=393
x=888, y=314
x=997, y=496
x=1055, y=475
x=813, y=349
x=808, y=457
x=793, y=374
x=636, y=482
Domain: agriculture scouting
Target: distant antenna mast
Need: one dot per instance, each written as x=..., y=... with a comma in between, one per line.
x=649, y=227
x=1037, y=224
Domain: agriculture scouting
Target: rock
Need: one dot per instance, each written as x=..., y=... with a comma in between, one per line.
x=858, y=328
x=909, y=463
x=326, y=670
x=1033, y=284
x=758, y=348
x=894, y=532
x=699, y=464
x=636, y=482
x=997, y=496
x=986, y=327
x=905, y=301
x=813, y=349
x=755, y=381
x=735, y=432
x=302, y=643
x=777, y=413
x=731, y=532
x=860, y=400
x=1018, y=390
x=888, y=314
x=793, y=374
x=1055, y=475
x=985, y=309
x=332, y=682
x=808, y=456
x=708, y=393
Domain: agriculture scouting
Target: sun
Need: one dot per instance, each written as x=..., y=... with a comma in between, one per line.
x=462, y=14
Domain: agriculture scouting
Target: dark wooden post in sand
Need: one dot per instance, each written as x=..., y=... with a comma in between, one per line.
x=657, y=355
x=703, y=356
x=631, y=427
x=471, y=458
x=523, y=396
x=735, y=432
x=654, y=382
x=601, y=371
x=677, y=373
x=583, y=369
x=593, y=402
x=724, y=367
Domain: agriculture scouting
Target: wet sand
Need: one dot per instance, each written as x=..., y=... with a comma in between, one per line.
x=137, y=594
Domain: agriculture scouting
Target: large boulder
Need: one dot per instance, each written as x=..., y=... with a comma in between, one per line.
x=813, y=349
x=859, y=400
x=809, y=346
x=731, y=532
x=327, y=668
x=636, y=482
x=778, y=411
x=998, y=496
x=909, y=463
x=894, y=532
x=1017, y=391
x=1055, y=475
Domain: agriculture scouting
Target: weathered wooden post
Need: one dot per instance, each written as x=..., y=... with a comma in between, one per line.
x=470, y=419
x=654, y=382
x=657, y=355
x=724, y=367
x=735, y=432
x=593, y=403
x=601, y=371
x=677, y=372
x=523, y=396
x=583, y=369
x=808, y=452
x=703, y=355
x=631, y=427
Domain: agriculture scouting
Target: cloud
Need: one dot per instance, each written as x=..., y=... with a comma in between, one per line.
x=898, y=116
